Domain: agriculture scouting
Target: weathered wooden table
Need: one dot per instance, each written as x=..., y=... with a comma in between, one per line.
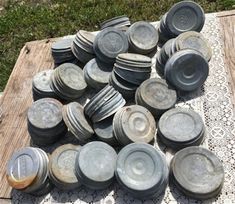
x=215, y=102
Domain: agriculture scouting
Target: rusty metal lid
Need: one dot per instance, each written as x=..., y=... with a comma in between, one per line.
x=23, y=168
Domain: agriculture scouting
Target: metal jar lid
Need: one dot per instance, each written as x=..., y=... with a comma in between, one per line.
x=185, y=16
x=62, y=164
x=197, y=172
x=95, y=165
x=180, y=126
x=187, y=70
x=156, y=95
x=141, y=170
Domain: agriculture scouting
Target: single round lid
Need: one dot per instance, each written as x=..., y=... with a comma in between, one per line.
x=187, y=70
x=138, y=124
x=97, y=161
x=62, y=44
x=45, y=113
x=185, y=16
x=72, y=76
x=63, y=162
x=111, y=42
x=198, y=171
x=180, y=125
x=140, y=167
x=41, y=80
x=196, y=41
x=98, y=71
x=22, y=168
x=87, y=35
x=135, y=57
x=143, y=35
x=104, y=128
x=157, y=94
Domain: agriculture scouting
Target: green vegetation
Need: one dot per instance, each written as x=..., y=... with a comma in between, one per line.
x=22, y=21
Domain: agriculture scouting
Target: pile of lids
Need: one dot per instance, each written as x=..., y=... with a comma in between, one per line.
x=106, y=122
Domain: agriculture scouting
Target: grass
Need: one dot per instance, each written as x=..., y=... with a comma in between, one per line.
x=22, y=21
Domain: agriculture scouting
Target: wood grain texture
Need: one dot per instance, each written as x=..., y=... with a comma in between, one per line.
x=226, y=13
x=227, y=24
x=17, y=97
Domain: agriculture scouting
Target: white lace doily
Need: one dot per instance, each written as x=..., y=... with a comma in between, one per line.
x=213, y=103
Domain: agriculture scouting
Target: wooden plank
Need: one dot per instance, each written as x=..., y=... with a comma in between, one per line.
x=5, y=201
x=225, y=13
x=16, y=99
x=227, y=36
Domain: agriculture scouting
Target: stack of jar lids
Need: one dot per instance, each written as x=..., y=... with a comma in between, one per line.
x=82, y=46
x=27, y=171
x=109, y=43
x=97, y=73
x=95, y=165
x=182, y=17
x=142, y=37
x=74, y=118
x=142, y=170
x=179, y=128
x=45, y=122
x=130, y=70
x=41, y=85
x=61, y=51
x=193, y=40
x=156, y=95
x=188, y=40
x=134, y=124
x=116, y=22
x=68, y=81
x=104, y=104
x=104, y=131
x=197, y=172
x=164, y=54
x=187, y=70
x=62, y=167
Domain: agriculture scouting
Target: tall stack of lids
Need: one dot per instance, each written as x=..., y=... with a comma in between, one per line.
x=45, y=121
x=104, y=104
x=74, y=118
x=41, y=85
x=129, y=71
x=61, y=51
x=68, y=82
x=116, y=77
x=120, y=22
x=62, y=167
x=182, y=17
x=27, y=171
x=82, y=46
